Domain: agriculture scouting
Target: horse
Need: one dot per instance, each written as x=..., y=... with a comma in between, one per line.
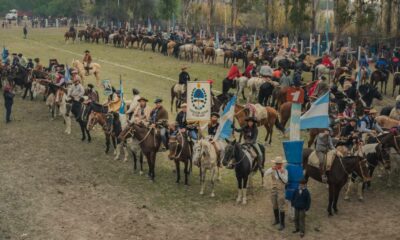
x=149, y=141
x=242, y=112
x=197, y=53
x=228, y=55
x=146, y=40
x=69, y=35
x=82, y=35
x=99, y=115
x=368, y=93
x=337, y=176
x=177, y=92
x=180, y=151
x=209, y=54
x=241, y=84
x=238, y=156
x=206, y=156
x=378, y=76
x=387, y=122
x=94, y=69
x=254, y=85
x=396, y=82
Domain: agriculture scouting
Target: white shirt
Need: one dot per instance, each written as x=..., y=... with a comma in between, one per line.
x=282, y=173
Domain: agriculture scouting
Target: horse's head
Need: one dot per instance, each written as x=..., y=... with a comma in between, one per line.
x=229, y=153
x=173, y=146
x=362, y=169
x=376, y=94
x=126, y=133
x=93, y=119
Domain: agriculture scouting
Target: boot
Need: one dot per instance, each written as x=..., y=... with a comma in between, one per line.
x=276, y=214
x=282, y=221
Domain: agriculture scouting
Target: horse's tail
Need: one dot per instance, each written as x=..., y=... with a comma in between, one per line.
x=279, y=126
x=172, y=97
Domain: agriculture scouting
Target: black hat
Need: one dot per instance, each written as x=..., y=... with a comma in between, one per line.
x=158, y=100
x=29, y=59
x=253, y=119
x=87, y=51
x=14, y=54
x=36, y=59
x=214, y=114
x=353, y=120
x=90, y=85
x=135, y=91
x=19, y=54
x=142, y=99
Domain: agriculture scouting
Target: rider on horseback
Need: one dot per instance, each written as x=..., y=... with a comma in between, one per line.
x=157, y=116
x=213, y=125
x=367, y=124
x=323, y=146
x=184, y=77
x=326, y=61
x=142, y=112
x=249, y=134
x=183, y=125
x=350, y=134
x=228, y=82
x=87, y=60
x=383, y=66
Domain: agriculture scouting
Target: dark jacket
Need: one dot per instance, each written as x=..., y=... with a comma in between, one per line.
x=181, y=120
x=348, y=130
x=249, y=134
x=184, y=77
x=301, y=201
x=212, y=130
x=159, y=114
x=8, y=98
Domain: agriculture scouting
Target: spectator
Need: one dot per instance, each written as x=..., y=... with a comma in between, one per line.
x=8, y=101
x=301, y=201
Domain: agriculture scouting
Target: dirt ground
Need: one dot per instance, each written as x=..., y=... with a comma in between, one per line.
x=53, y=186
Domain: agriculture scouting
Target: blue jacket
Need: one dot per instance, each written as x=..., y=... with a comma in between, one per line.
x=301, y=201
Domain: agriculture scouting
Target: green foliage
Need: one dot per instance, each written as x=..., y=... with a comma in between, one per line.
x=298, y=14
x=167, y=8
x=68, y=8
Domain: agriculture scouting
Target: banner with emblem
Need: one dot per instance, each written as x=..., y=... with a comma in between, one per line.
x=198, y=101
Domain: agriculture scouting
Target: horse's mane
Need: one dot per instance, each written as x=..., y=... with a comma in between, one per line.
x=98, y=108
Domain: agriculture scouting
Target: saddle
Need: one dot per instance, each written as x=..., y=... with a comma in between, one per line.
x=96, y=107
x=313, y=159
x=258, y=111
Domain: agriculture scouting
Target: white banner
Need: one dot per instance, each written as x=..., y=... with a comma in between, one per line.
x=198, y=101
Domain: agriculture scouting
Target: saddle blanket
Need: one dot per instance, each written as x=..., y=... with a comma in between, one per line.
x=369, y=148
x=258, y=111
x=179, y=88
x=313, y=159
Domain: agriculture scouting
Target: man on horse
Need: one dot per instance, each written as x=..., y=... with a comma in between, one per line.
x=350, y=134
x=326, y=61
x=228, y=82
x=92, y=94
x=323, y=146
x=72, y=29
x=279, y=177
x=365, y=65
x=183, y=125
x=250, y=134
x=213, y=125
x=383, y=66
x=38, y=65
x=367, y=124
x=184, y=78
x=250, y=70
x=142, y=112
x=134, y=104
x=158, y=117
x=87, y=60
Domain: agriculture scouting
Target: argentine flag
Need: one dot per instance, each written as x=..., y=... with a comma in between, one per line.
x=122, y=108
x=225, y=123
x=318, y=114
x=67, y=76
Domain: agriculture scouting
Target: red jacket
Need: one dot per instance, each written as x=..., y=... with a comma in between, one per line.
x=248, y=71
x=327, y=62
x=233, y=73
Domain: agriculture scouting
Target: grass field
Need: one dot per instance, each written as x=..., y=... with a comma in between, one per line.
x=55, y=187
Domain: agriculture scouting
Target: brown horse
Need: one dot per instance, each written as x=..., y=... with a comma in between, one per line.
x=396, y=82
x=378, y=76
x=69, y=35
x=337, y=176
x=149, y=141
x=180, y=151
x=101, y=119
x=209, y=54
x=241, y=113
x=228, y=55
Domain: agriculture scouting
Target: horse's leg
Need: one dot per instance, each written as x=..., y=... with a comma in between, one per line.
x=148, y=164
x=239, y=197
x=177, y=167
x=107, y=142
x=336, y=199
x=83, y=130
x=213, y=173
x=67, y=120
x=186, y=171
x=348, y=190
x=386, y=84
x=244, y=189
x=202, y=180
x=153, y=166
x=87, y=132
x=134, y=158
x=330, y=200
x=360, y=191
x=141, y=162
x=126, y=153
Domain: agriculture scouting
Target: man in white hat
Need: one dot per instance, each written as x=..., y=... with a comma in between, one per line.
x=368, y=123
x=77, y=90
x=279, y=178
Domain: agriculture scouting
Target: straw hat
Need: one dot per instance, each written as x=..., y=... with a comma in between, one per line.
x=278, y=160
x=373, y=111
x=142, y=99
x=183, y=105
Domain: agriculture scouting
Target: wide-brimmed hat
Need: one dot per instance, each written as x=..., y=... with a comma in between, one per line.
x=278, y=160
x=36, y=59
x=184, y=67
x=135, y=91
x=142, y=99
x=372, y=111
x=74, y=71
x=87, y=51
x=235, y=63
x=158, y=100
x=214, y=114
x=90, y=85
x=253, y=119
x=252, y=62
x=183, y=105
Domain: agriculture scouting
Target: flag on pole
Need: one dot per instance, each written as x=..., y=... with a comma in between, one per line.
x=255, y=40
x=318, y=114
x=67, y=76
x=4, y=55
x=327, y=27
x=148, y=25
x=173, y=21
x=216, y=40
x=122, y=108
x=359, y=67
x=224, y=130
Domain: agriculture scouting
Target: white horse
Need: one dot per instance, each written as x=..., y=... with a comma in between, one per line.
x=254, y=85
x=219, y=56
x=241, y=84
x=205, y=155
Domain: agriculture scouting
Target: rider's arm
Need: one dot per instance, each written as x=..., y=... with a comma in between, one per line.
x=363, y=128
x=378, y=128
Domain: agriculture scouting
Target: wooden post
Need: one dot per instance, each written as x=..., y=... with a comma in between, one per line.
x=301, y=46
x=311, y=37
x=318, y=45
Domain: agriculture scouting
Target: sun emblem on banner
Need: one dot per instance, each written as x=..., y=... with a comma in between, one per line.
x=199, y=97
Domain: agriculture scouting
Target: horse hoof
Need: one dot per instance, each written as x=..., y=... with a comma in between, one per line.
x=335, y=211
x=115, y=159
x=244, y=201
x=83, y=139
x=330, y=214
x=347, y=199
x=201, y=193
x=212, y=195
x=238, y=200
x=140, y=173
x=125, y=160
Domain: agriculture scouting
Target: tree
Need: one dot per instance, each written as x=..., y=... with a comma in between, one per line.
x=167, y=8
x=314, y=11
x=343, y=18
x=388, y=24
x=298, y=15
x=210, y=15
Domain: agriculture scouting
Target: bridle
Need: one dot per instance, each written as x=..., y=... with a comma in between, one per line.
x=182, y=144
x=132, y=131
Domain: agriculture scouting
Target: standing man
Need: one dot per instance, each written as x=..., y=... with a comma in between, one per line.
x=87, y=60
x=301, y=201
x=279, y=177
x=25, y=30
x=8, y=101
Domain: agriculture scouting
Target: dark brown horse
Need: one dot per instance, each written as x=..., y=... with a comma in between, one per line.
x=149, y=141
x=209, y=54
x=69, y=35
x=378, y=76
x=180, y=151
x=396, y=82
x=337, y=176
x=100, y=117
x=241, y=113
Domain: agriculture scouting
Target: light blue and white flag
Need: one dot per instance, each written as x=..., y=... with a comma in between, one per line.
x=216, y=40
x=225, y=129
x=318, y=114
x=67, y=76
x=148, y=25
x=122, y=108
